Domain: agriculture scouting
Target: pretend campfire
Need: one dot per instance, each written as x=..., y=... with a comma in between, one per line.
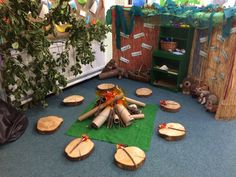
x=113, y=108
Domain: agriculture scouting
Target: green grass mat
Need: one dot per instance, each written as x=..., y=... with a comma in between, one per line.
x=139, y=133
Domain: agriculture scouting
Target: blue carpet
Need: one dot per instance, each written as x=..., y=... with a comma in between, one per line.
x=208, y=149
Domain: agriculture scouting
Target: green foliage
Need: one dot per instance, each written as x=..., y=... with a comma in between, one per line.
x=43, y=73
x=187, y=1
x=162, y=2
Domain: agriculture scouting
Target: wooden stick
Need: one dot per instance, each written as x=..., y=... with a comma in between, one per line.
x=94, y=110
x=172, y=131
x=137, y=116
x=79, y=148
x=175, y=129
x=81, y=140
x=139, y=103
x=110, y=119
x=131, y=158
x=122, y=124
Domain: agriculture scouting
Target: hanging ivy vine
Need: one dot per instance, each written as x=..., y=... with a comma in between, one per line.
x=24, y=33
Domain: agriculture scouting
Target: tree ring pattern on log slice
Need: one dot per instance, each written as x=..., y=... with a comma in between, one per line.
x=171, y=131
x=49, y=124
x=170, y=106
x=143, y=92
x=73, y=100
x=129, y=158
x=105, y=86
x=78, y=149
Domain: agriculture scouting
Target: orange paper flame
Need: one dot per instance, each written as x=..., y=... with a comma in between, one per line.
x=120, y=101
x=111, y=94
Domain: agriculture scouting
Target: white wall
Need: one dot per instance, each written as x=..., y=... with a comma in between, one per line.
x=108, y=41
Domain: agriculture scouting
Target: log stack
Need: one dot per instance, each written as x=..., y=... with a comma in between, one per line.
x=113, y=108
x=111, y=70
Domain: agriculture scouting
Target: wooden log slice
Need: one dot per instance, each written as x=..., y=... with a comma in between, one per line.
x=47, y=125
x=172, y=131
x=170, y=106
x=105, y=87
x=78, y=149
x=73, y=100
x=143, y=92
x=129, y=158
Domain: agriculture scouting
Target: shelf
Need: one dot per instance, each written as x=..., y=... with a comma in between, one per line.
x=178, y=38
x=169, y=71
x=164, y=54
x=166, y=84
x=182, y=33
x=172, y=27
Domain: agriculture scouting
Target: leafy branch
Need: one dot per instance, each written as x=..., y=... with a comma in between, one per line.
x=43, y=72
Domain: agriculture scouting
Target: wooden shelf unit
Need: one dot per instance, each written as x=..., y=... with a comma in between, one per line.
x=177, y=64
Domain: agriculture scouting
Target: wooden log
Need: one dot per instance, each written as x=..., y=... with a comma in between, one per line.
x=137, y=116
x=79, y=149
x=132, y=101
x=143, y=92
x=101, y=118
x=170, y=106
x=110, y=66
x=124, y=114
x=129, y=158
x=108, y=74
x=49, y=124
x=102, y=106
x=73, y=100
x=172, y=131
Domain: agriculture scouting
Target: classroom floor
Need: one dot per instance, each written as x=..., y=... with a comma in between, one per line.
x=208, y=150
